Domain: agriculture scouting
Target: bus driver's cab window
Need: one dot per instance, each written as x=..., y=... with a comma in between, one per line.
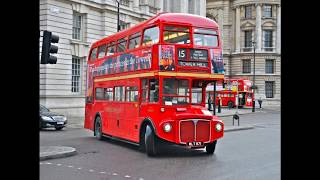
x=154, y=90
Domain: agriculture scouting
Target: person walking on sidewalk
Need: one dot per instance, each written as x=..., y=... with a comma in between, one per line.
x=209, y=103
x=260, y=102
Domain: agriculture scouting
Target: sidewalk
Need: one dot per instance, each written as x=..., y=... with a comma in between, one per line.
x=52, y=152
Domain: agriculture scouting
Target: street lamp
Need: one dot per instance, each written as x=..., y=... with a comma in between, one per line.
x=254, y=75
x=118, y=14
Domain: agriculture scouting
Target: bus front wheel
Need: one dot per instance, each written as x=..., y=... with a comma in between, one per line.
x=211, y=147
x=150, y=141
x=98, y=128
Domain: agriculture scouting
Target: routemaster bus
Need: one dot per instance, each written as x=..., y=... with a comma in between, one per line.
x=147, y=84
x=232, y=88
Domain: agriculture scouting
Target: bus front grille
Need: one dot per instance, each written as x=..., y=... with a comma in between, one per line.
x=194, y=130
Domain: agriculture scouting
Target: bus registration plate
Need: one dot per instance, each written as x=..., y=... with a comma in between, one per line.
x=193, y=144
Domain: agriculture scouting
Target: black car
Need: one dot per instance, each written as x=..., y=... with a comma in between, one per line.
x=51, y=119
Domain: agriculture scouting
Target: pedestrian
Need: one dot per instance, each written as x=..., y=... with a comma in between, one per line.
x=209, y=103
x=260, y=102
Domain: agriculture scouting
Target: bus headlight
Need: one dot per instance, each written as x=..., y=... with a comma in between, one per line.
x=167, y=127
x=218, y=127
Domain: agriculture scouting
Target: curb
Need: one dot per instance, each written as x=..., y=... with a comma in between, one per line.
x=53, y=152
x=237, y=128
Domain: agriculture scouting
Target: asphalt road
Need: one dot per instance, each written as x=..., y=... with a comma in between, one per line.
x=247, y=154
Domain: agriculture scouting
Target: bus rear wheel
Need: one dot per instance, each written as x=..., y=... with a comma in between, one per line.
x=150, y=141
x=211, y=147
x=98, y=128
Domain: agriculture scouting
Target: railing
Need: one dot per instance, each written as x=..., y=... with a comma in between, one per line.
x=264, y=49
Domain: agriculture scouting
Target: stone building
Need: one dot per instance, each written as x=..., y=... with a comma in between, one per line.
x=79, y=23
x=242, y=23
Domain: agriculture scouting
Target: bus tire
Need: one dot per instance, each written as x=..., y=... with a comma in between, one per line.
x=230, y=104
x=150, y=141
x=211, y=147
x=98, y=128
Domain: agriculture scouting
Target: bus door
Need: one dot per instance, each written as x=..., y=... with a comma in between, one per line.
x=149, y=98
x=131, y=112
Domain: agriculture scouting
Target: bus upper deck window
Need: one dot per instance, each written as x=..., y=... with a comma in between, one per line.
x=205, y=37
x=93, y=55
x=176, y=35
x=102, y=51
x=122, y=45
x=111, y=49
x=151, y=36
x=134, y=41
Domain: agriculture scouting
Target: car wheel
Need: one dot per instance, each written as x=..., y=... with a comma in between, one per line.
x=150, y=141
x=98, y=128
x=58, y=128
x=211, y=147
x=230, y=104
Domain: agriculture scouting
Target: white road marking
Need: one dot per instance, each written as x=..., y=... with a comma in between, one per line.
x=114, y=174
x=102, y=172
x=70, y=166
x=79, y=168
x=127, y=176
x=91, y=170
x=41, y=163
x=141, y=179
x=58, y=164
x=48, y=163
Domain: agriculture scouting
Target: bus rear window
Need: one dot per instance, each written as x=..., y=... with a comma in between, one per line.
x=176, y=35
x=205, y=37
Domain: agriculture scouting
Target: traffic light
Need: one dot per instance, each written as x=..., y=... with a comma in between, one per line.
x=48, y=48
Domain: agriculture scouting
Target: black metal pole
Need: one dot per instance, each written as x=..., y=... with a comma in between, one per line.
x=118, y=22
x=214, y=97
x=254, y=77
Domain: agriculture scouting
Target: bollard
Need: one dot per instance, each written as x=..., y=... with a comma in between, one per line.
x=219, y=105
x=253, y=105
x=236, y=117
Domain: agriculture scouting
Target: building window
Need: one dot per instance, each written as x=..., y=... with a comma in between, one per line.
x=246, y=66
x=124, y=2
x=247, y=41
x=248, y=12
x=269, y=89
x=152, y=6
x=269, y=66
x=123, y=25
x=191, y=6
x=77, y=26
x=268, y=40
x=75, y=83
x=267, y=11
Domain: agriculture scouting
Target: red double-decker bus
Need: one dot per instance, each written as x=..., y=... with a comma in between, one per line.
x=232, y=88
x=148, y=83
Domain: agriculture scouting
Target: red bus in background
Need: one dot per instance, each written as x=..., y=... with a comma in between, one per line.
x=147, y=84
x=229, y=91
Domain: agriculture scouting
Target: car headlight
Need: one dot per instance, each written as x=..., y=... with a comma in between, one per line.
x=167, y=127
x=46, y=118
x=218, y=127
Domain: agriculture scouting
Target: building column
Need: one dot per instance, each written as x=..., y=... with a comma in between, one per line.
x=238, y=29
x=221, y=21
x=278, y=50
x=202, y=7
x=184, y=6
x=258, y=28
